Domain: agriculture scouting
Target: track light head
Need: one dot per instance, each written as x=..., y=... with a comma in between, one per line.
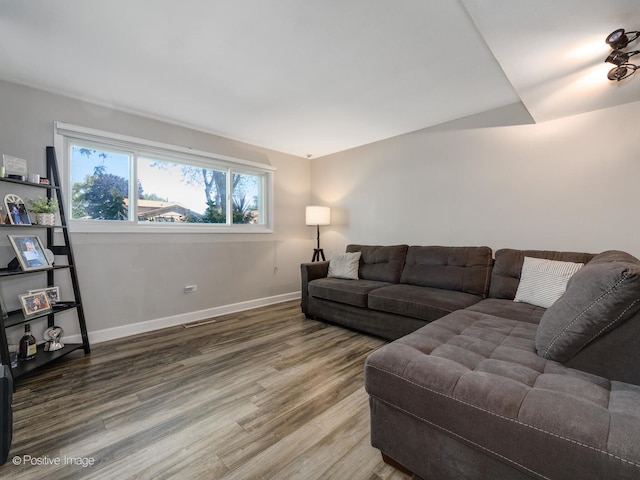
x=621, y=72
x=618, y=57
x=617, y=40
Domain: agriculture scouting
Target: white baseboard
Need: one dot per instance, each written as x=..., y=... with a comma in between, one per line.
x=150, y=325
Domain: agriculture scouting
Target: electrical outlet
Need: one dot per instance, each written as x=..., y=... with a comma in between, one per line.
x=190, y=288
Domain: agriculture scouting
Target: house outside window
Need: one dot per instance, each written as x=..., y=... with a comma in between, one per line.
x=118, y=183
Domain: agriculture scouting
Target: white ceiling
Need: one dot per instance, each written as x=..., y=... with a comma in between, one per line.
x=319, y=76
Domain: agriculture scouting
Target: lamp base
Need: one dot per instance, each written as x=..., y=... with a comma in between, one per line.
x=317, y=253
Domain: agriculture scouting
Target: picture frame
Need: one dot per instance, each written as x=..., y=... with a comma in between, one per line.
x=14, y=165
x=52, y=293
x=34, y=303
x=16, y=210
x=3, y=307
x=29, y=252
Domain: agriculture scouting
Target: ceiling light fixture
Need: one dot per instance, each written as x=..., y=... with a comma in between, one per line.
x=617, y=40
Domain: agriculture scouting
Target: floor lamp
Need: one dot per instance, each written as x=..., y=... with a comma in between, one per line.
x=317, y=216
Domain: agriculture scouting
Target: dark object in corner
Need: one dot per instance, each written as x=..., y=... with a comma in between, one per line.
x=6, y=413
x=13, y=264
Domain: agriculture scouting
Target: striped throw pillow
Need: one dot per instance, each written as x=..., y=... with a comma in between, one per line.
x=543, y=281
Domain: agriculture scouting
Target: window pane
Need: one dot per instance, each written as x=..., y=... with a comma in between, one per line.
x=100, y=184
x=179, y=193
x=142, y=183
x=247, y=190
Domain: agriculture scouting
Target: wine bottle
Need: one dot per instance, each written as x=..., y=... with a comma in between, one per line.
x=28, y=348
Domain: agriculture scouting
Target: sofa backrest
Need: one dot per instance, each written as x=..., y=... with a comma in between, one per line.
x=507, y=268
x=615, y=355
x=463, y=269
x=380, y=263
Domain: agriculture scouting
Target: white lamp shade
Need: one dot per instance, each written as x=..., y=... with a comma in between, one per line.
x=318, y=215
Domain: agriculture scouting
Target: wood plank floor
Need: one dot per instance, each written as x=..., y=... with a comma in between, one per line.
x=262, y=394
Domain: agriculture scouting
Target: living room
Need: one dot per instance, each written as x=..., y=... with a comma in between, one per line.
x=497, y=177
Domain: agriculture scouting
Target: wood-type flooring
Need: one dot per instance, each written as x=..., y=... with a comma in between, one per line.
x=261, y=394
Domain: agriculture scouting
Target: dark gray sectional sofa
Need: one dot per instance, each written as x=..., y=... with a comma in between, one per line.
x=400, y=288
x=487, y=388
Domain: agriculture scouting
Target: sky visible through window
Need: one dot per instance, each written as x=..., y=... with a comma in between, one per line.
x=167, y=181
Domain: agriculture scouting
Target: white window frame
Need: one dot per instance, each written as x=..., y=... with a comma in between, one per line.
x=65, y=134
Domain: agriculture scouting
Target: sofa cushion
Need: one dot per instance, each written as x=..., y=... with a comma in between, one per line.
x=500, y=307
x=599, y=297
x=465, y=269
x=344, y=291
x=507, y=267
x=543, y=281
x=380, y=263
x=423, y=303
x=344, y=265
x=478, y=379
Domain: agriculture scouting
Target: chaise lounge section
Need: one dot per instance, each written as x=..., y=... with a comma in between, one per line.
x=511, y=390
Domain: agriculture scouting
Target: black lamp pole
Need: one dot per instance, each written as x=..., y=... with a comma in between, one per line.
x=318, y=252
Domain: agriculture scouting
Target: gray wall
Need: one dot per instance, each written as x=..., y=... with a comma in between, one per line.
x=134, y=282
x=492, y=179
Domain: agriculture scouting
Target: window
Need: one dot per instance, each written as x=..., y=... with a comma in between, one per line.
x=118, y=183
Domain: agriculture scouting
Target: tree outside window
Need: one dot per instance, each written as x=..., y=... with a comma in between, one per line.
x=167, y=191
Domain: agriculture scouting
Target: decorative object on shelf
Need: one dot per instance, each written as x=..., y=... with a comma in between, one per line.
x=29, y=252
x=34, y=178
x=617, y=40
x=3, y=307
x=53, y=336
x=315, y=215
x=16, y=210
x=13, y=264
x=14, y=166
x=13, y=355
x=45, y=219
x=27, y=348
x=52, y=293
x=44, y=181
x=44, y=209
x=50, y=256
x=34, y=303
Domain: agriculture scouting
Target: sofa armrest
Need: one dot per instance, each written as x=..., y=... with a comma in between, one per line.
x=308, y=272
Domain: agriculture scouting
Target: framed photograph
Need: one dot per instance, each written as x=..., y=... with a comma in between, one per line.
x=16, y=210
x=29, y=252
x=52, y=293
x=34, y=303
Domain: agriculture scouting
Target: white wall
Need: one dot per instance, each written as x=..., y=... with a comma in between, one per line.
x=134, y=282
x=570, y=184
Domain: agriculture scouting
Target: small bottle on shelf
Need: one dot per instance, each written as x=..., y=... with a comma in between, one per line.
x=28, y=348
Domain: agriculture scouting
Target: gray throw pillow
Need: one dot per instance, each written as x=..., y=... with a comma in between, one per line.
x=344, y=265
x=599, y=297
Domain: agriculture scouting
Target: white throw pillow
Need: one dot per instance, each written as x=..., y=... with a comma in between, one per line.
x=543, y=281
x=344, y=265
